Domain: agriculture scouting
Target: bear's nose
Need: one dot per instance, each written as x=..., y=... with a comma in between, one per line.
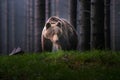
x=55, y=39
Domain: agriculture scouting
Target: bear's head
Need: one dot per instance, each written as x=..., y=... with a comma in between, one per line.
x=53, y=32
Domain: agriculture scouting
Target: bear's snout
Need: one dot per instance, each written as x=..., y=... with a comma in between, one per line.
x=55, y=38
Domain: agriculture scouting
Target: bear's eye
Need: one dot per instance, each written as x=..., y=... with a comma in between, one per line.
x=48, y=25
x=52, y=19
x=59, y=24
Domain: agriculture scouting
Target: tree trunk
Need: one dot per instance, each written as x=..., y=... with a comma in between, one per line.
x=13, y=23
x=31, y=25
x=28, y=26
x=97, y=24
x=48, y=9
x=39, y=22
x=0, y=29
x=54, y=10
x=6, y=27
x=84, y=25
x=115, y=24
x=107, y=23
x=73, y=12
x=56, y=7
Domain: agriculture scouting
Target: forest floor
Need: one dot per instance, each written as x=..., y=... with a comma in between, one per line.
x=62, y=65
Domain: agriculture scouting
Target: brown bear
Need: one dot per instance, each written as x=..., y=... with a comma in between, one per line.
x=58, y=34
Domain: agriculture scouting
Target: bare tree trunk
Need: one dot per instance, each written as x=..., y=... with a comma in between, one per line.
x=107, y=23
x=31, y=25
x=113, y=24
x=13, y=23
x=0, y=29
x=92, y=23
x=56, y=7
x=97, y=24
x=28, y=26
x=84, y=25
x=73, y=12
x=68, y=11
x=39, y=22
x=6, y=26
x=25, y=25
x=48, y=9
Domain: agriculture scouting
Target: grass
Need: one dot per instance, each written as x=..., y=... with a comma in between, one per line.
x=62, y=65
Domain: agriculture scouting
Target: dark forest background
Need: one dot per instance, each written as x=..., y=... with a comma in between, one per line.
x=96, y=21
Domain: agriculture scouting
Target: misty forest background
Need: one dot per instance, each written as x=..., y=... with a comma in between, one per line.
x=96, y=21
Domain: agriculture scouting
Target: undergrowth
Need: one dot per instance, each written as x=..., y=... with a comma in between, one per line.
x=61, y=65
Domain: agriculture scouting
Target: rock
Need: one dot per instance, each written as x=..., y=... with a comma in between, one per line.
x=16, y=51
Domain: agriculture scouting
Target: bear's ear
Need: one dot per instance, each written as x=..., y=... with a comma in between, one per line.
x=59, y=24
x=48, y=25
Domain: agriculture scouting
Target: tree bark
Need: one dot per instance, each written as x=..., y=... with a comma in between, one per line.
x=73, y=12
x=0, y=30
x=28, y=25
x=107, y=23
x=84, y=25
x=31, y=25
x=48, y=9
x=113, y=25
x=39, y=22
x=56, y=7
x=97, y=24
x=13, y=23
x=6, y=27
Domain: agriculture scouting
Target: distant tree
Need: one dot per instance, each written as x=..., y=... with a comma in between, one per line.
x=28, y=25
x=84, y=25
x=31, y=25
x=97, y=24
x=0, y=30
x=56, y=7
x=13, y=23
x=73, y=12
x=6, y=26
x=48, y=9
x=39, y=22
x=107, y=23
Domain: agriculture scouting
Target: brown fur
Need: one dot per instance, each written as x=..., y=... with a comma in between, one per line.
x=58, y=34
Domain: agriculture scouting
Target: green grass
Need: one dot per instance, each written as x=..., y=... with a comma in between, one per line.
x=62, y=65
